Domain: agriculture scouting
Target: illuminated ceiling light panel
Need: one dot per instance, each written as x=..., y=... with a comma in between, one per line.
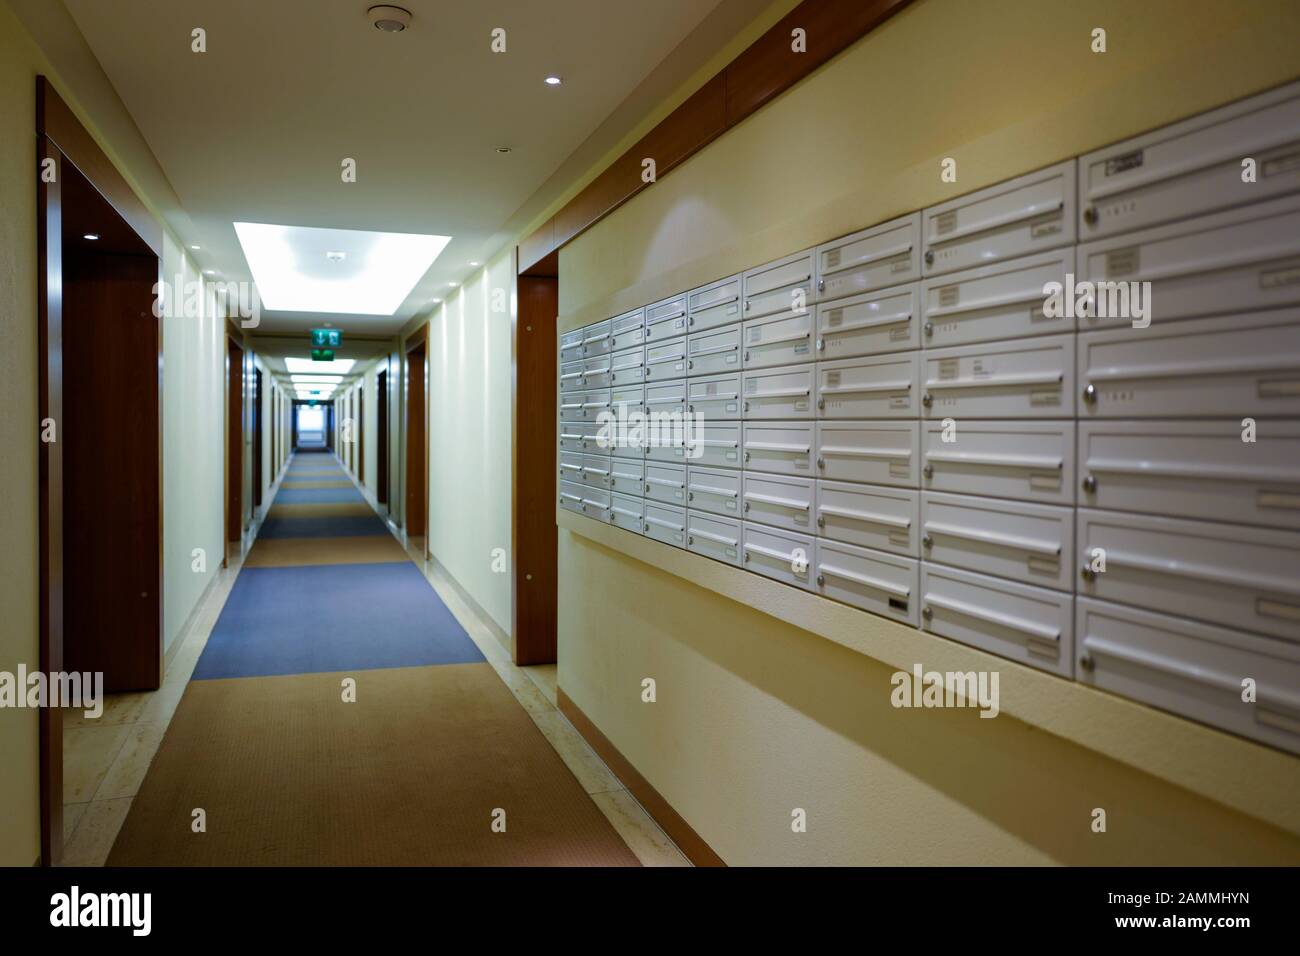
x=316, y=379
x=336, y=367
x=299, y=269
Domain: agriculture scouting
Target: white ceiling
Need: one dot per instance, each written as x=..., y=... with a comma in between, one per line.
x=256, y=128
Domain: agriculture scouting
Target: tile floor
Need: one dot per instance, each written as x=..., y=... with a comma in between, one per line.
x=105, y=760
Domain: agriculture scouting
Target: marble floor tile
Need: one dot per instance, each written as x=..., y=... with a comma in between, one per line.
x=71, y=817
x=127, y=772
x=642, y=835
x=93, y=838
x=544, y=676
x=88, y=752
x=581, y=760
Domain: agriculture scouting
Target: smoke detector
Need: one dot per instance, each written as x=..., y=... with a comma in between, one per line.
x=389, y=19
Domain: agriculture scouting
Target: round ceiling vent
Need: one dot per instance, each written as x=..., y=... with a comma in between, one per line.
x=389, y=19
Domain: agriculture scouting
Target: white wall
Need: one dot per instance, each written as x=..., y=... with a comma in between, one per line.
x=469, y=434
x=193, y=456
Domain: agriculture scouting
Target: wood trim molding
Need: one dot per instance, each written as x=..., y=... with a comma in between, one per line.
x=670, y=821
x=55, y=119
x=767, y=67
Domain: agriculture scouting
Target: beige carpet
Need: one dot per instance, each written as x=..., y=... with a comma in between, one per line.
x=362, y=549
x=409, y=775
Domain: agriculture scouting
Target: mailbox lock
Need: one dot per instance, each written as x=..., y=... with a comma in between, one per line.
x=1090, y=215
x=690, y=408
x=1087, y=573
x=821, y=462
x=746, y=456
x=748, y=304
x=927, y=612
x=821, y=345
x=690, y=540
x=1090, y=395
x=929, y=257
x=691, y=320
x=690, y=363
x=821, y=285
x=926, y=540
x=821, y=403
x=647, y=373
x=746, y=355
x=927, y=400
x=821, y=580
x=746, y=406
x=928, y=471
x=746, y=505
x=929, y=328
x=821, y=521
x=690, y=496
x=1090, y=484
x=1086, y=662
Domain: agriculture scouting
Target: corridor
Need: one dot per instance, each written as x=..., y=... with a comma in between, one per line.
x=340, y=714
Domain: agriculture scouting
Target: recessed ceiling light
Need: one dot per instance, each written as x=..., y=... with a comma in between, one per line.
x=389, y=19
x=475, y=262
x=338, y=366
x=292, y=272
x=92, y=236
x=453, y=284
x=334, y=255
x=209, y=272
x=196, y=248
x=437, y=301
x=553, y=81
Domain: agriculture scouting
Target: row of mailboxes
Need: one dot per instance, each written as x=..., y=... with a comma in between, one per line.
x=1229, y=263
x=1190, y=469
x=1234, y=365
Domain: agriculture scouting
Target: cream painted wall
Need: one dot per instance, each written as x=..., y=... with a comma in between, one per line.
x=754, y=716
x=19, y=434
x=193, y=456
x=192, y=424
x=469, y=433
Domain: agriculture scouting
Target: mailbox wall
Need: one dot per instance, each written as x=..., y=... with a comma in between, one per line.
x=1014, y=375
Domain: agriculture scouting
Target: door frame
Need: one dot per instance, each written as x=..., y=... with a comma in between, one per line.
x=381, y=434
x=534, y=536
x=236, y=364
x=61, y=139
x=417, y=341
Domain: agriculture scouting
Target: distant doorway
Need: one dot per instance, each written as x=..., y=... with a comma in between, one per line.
x=381, y=431
x=234, y=446
x=417, y=456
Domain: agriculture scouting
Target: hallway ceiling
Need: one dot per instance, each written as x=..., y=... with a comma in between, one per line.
x=256, y=128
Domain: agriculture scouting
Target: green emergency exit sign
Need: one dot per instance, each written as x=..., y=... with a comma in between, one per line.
x=326, y=338
x=322, y=355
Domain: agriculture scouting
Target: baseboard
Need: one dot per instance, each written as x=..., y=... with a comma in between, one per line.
x=670, y=821
x=446, y=577
x=169, y=655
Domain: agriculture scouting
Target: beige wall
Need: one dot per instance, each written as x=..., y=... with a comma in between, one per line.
x=469, y=433
x=193, y=454
x=756, y=717
x=19, y=430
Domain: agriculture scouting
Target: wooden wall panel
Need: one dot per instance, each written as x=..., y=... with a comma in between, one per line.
x=534, y=539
